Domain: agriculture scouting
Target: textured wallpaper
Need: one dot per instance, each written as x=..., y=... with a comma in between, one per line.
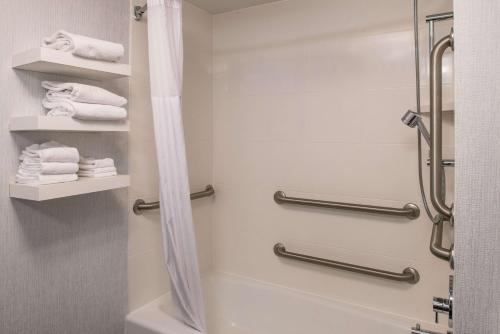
x=477, y=240
x=62, y=262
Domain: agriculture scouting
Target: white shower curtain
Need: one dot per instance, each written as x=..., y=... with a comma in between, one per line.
x=166, y=65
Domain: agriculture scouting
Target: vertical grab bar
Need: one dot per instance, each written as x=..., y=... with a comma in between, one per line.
x=436, y=109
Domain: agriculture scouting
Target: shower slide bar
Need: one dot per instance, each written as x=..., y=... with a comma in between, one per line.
x=140, y=205
x=409, y=275
x=410, y=210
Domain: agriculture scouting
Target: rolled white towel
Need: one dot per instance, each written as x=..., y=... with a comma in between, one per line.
x=96, y=175
x=84, y=46
x=39, y=179
x=93, y=163
x=84, y=111
x=48, y=168
x=81, y=93
x=48, y=153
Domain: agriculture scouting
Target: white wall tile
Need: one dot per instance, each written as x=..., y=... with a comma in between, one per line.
x=308, y=99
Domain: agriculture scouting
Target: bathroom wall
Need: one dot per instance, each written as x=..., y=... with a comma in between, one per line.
x=308, y=98
x=147, y=274
x=477, y=288
x=63, y=261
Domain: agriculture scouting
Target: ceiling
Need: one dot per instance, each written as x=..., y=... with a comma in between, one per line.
x=221, y=6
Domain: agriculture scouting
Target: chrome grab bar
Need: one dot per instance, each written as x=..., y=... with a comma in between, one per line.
x=436, y=109
x=436, y=244
x=140, y=205
x=409, y=275
x=410, y=210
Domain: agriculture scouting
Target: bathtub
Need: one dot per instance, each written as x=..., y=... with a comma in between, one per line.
x=237, y=305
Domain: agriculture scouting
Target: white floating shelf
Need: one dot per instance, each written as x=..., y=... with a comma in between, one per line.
x=64, y=63
x=59, y=190
x=64, y=124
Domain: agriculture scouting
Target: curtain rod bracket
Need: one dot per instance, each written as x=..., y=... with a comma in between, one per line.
x=139, y=11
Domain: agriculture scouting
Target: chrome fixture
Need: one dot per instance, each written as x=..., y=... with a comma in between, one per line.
x=431, y=19
x=444, y=163
x=140, y=205
x=414, y=119
x=139, y=11
x=436, y=244
x=418, y=330
x=436, y=108
x=445, y=306
x=410, y=210
x=409, y=275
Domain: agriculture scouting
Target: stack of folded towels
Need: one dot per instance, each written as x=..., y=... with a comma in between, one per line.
x=83, y=46
x=91, y=167
x=48, y=163
x=83, y=102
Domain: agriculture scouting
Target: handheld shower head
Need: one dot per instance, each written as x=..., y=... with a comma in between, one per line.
x=413, y=119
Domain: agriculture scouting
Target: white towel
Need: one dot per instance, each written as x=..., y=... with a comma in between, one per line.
x=84, y=46
x=83, y=111
x=93, y=163
x=48, y=168
x=81, y=93
x=45, y=179
x=86, y=169
x=96, y=175
x=49, y=152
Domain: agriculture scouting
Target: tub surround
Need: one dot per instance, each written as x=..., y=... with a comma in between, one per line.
x=308, y=99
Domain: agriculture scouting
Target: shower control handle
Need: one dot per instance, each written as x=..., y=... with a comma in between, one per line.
x=443, y=305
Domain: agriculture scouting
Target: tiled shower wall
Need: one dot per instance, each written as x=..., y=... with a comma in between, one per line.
x=62, y=262
x=147, y=275
x=308, y=97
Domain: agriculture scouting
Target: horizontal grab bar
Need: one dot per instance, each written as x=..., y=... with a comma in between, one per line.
x=410, y=210
x=140, y=205
x=409, y=275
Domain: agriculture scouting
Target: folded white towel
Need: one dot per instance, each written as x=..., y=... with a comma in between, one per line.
x=86, y=169
x=49, y=152
x=81, y=93
x=93, y=163
x=84, y=46
x=96, y=175
x=48, y=168
x=84, y=111
x=45, y=179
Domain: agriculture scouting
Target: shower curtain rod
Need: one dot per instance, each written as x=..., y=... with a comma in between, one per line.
x=139, y=11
